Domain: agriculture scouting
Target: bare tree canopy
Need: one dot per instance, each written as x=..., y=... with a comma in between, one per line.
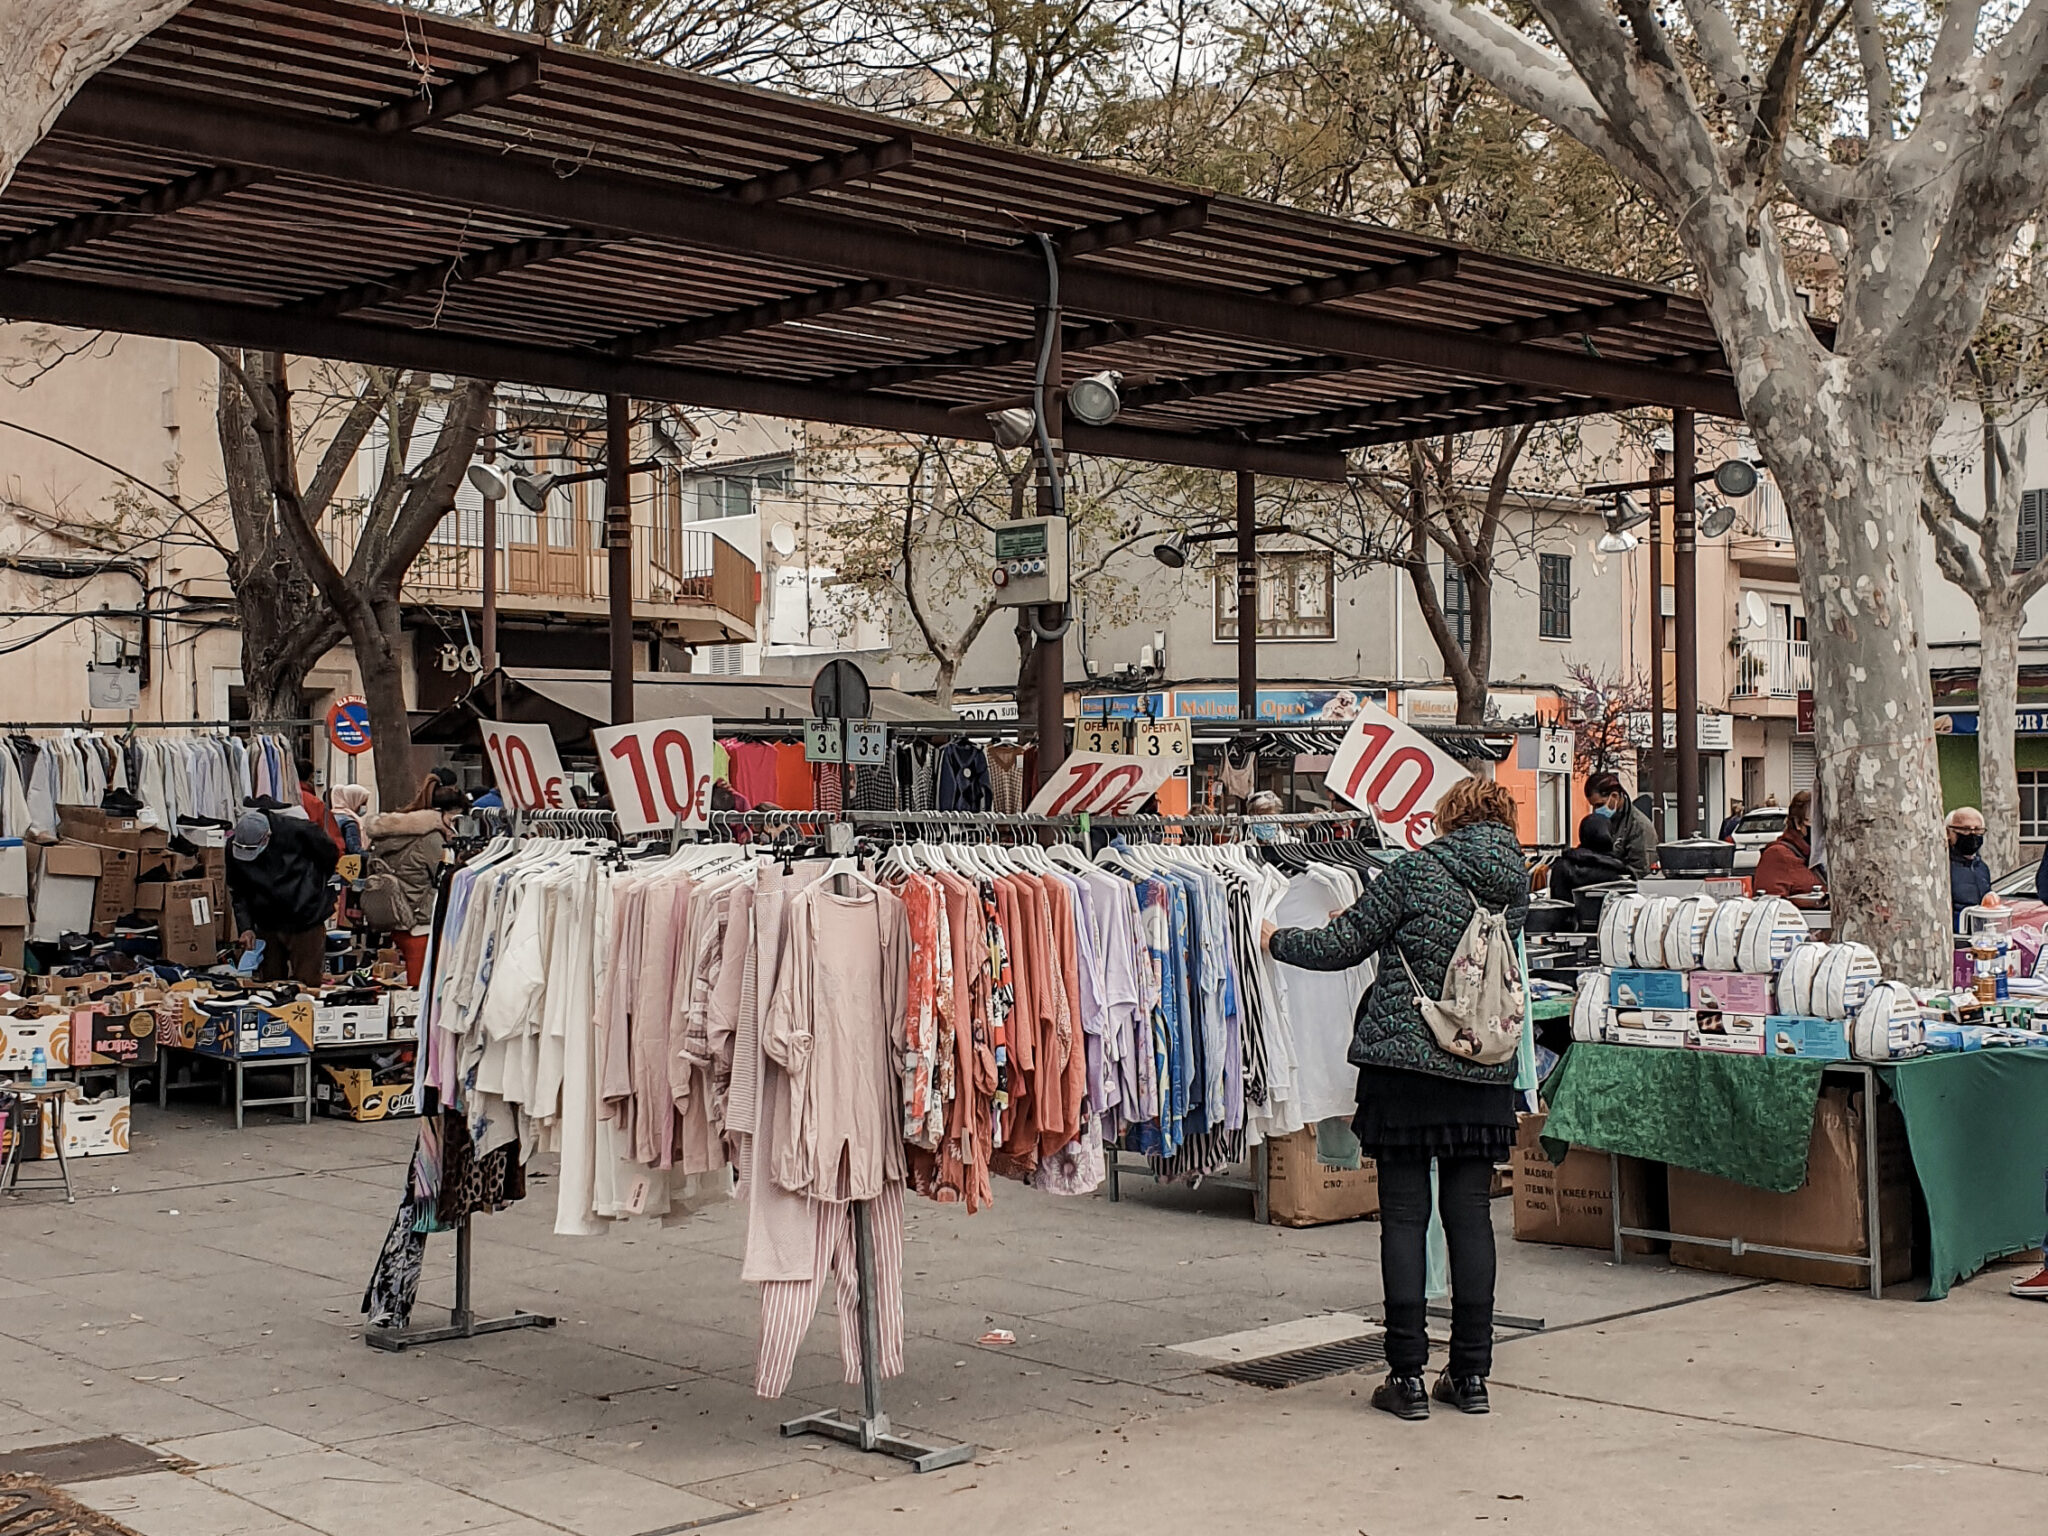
x=1734, y=122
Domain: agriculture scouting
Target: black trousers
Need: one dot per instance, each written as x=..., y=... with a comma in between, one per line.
x=1464, y=1197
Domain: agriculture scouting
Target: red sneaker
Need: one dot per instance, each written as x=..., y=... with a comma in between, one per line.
x=2034, y=1287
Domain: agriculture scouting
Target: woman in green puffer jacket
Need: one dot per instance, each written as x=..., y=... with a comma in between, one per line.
x=1416, y=1101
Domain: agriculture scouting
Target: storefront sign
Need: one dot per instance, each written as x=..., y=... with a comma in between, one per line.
x=1803, y=724
x=985, y=709
x=1394, y=772
x=1100, y=785
x=1507, y=709
x=658, y=772
x=1963, y=722
x=1126, y=706
x=527, y=767
x=1716, y=733
x=1292, y=706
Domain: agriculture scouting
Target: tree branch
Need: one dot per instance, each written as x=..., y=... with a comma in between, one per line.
x=1879, y=89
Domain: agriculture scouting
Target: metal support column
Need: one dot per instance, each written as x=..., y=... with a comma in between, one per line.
x=1247, y=598
x=1686, y=618
x=1658, y=781
x=618, y=544
x=1049, y=657
x=490, y=561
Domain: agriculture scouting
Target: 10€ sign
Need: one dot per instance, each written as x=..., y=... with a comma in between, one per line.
x=659, y=772
x=1393, y=771
x=527, y=767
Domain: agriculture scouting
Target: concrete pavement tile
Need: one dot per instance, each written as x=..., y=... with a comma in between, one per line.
x=233, y=1447
x=793, y=1480
x=115, y=1405
x=21, y=1430
x=335, y=1414
x=345, y=1495
x=167, y=1504
x=464, y=1456
x=127, y=1345
x=525, y=1410
x=603, y=1501
x=572, y=1364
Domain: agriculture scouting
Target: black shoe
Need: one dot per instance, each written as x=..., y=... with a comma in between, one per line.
x=1403, y=1396
x=1467, y=1394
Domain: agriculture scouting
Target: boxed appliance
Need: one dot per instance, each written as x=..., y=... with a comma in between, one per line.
x=1648, y=989
x=1823, y=1039
x=1304, y=1191
x=1667, y=1028
x=1730, y=1034
x=1730, y=991
x=1571, y=1203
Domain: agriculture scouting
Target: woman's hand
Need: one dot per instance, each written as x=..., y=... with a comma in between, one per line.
x=1266, y=932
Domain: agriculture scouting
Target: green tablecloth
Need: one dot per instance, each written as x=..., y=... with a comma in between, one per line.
x=1977, y=1124
x=1746, y=1118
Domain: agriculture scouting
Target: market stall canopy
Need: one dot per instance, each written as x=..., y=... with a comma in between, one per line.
x=572, y=703
x=366, y=182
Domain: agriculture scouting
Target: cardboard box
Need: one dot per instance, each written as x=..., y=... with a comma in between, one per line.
x=1824, y=1039
x=13, y=868
x=1825, y=1214
x=1668, y=1029
x=1742, y=1041
x=19, y=1037
x=67, y=891
x=405, y=1013
x=1648, y=989
x=115, y=897
x=14, y=925
x=102, y=1037
x=1572, y=1203
x=19, y=1117
x=90, y=824
x=185, y=916
x=1304, y=1191
x=1730, y=992
x=92, y=1128
x=345, y=1026
x=351, y=1093
x=251, y=1031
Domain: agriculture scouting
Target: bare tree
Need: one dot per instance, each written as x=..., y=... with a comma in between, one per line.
x=297, y=601
x=49, y=49
x=1703, y=111
x=1603, y=711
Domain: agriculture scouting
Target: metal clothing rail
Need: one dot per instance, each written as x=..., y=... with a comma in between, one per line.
x=123, y=727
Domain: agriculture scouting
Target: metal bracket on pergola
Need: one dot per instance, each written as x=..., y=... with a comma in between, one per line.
x=287, y=174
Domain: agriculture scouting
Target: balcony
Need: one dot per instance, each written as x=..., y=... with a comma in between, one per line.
x=687, y=582
x=1771, y=670
x=1761, y=543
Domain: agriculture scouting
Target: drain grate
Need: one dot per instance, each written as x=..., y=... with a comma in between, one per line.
x=84, y=1461
x=1300, y=1365
x=30, y=1508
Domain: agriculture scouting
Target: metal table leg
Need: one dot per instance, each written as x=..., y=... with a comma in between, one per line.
x=1873, y=1186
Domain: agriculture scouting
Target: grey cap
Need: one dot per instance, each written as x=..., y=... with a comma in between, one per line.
x=252, y=835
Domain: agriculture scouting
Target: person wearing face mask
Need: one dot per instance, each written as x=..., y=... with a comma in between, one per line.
x=1969, y=877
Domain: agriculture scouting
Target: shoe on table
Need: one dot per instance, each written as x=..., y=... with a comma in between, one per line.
x=2033, y=1288
x=1467, y=1394
x=1404, y=1397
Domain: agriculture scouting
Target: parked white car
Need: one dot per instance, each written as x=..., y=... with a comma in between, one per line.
x=1754, y=832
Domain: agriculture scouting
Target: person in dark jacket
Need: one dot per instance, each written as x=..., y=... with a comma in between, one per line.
x=277, y=872
x=1591, y=863
x=1730, y=822
x=1635, y=836
x=1784, y=868
x=1969, y=877
x=1417, y=1101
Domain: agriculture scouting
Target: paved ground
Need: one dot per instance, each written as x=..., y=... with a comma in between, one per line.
x=202, y=1297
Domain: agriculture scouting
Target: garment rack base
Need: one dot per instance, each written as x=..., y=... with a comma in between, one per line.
x=457, y=1327
x=877, y=1435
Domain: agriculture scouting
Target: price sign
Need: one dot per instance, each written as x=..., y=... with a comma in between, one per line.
x=1101, y=784
x=658, y=772
x=1393, y=771
x=1169, y=741
x=1554, y=752
x=867, y=744
x=1103, y=736
x=822, y=743
x=527, y=767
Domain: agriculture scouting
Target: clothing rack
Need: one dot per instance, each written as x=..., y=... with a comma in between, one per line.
x=871, y=1430
x=122, y=727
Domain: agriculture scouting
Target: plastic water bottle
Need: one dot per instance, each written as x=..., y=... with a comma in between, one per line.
x=39, y=1069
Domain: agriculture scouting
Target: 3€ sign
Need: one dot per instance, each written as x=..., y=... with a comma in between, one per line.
x=527, y=767
x=659, y=772
x=1394, y=772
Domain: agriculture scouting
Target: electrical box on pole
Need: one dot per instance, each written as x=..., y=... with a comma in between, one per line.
x=1031, y=562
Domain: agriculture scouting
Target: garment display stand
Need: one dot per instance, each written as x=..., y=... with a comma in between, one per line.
x=462, y=1322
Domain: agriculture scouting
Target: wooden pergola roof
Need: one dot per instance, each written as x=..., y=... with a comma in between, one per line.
x=367, y=182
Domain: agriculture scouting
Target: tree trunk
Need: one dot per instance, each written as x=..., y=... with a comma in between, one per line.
x=1852, y=487
x=945, y=670
x=383, y=674
x=49, y=48
x=1998, y=696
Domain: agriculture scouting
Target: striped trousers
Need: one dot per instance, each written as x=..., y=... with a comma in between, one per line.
x=787, y=1306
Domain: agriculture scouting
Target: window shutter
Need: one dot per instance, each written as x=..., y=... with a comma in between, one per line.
x=2027, y=548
